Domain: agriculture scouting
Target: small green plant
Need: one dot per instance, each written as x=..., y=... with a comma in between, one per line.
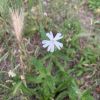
x=94, y=4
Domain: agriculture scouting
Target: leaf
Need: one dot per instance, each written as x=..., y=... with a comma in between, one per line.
x=27, y=90
x=62, y=95
x=17, y=87
x=39, y=66
x=62, y=87
x=86, y=96
x=45, y=90
x=4, y=86
x=64, y=84
x=50, y=82
x=31, y=3
x=3, y=6
x=61, y=67
x=42, y=32
x=34, y=79
x=73, y=90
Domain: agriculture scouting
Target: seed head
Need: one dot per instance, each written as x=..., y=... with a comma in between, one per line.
x=17, y=17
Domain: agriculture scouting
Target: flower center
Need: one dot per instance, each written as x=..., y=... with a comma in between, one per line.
x=52, y=41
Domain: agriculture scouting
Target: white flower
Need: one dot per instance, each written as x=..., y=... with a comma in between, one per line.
x=11, y=73
x=53, y=42
x=45, y=14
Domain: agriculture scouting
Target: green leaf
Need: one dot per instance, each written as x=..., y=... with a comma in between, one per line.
x=39, y=66
x=34, y=79
x=27, y=90
x=31, y=2
x=64, y=84
x=73, y=90
x=62, y=95
x=61, y=67
x=86, y=96
x=17, y=88
x=50, y=82
x=42, y=32
x=3, y=4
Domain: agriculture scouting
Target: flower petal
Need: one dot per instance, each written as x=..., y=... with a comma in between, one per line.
x=45, y=41
x=59, y=45
x=45, y=45
x=49, y=47
x=58, y=36
x=50, y=35
x=52, y=48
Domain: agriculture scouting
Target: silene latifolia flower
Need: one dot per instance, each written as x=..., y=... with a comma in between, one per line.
x=17, y=17
x=53, y=42
x=11, y=73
